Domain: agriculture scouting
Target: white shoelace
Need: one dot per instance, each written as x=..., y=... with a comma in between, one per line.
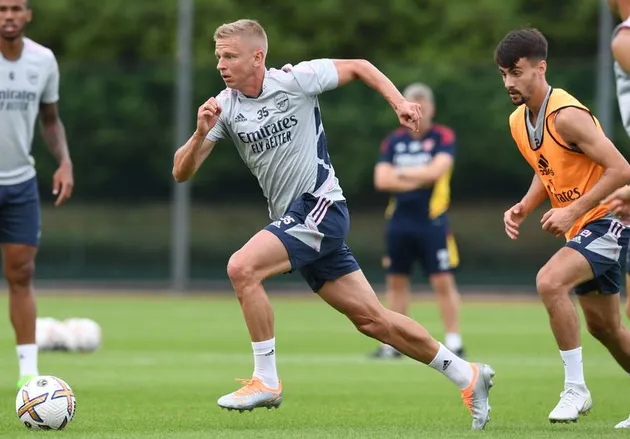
x=570, y=398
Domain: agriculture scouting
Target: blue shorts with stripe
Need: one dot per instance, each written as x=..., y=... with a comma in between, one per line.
x=20, y=218
x=313, y=231
x=604, y=244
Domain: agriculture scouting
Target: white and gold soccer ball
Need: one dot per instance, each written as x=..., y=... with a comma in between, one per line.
x=45, y=403
x=51, y=334
x=82, y=334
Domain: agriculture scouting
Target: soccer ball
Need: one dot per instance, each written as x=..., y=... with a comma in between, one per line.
x=50, y=334
x=45, y=403
x=82, y=334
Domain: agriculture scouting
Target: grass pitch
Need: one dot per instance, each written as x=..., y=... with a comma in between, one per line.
x=165, y=361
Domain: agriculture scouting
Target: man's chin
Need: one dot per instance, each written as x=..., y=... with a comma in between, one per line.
x=10, y=36
x=229, y=82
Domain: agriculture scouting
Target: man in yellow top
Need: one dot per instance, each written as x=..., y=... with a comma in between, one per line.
x=575, y=166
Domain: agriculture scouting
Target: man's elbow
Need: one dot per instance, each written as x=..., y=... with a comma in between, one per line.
x=360, y=67
x=177, y=173
x=381, y=185
x=177, y=176
x=361, y=64
x=47, y=127
x=180, y=176
x=618, y=47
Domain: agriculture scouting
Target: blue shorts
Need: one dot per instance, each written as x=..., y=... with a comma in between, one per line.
x=431, y=244
x=604, y=244
x=20, y=221
x=314, y=230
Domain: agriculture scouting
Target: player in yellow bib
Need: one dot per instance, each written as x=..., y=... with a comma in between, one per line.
x=575, y=166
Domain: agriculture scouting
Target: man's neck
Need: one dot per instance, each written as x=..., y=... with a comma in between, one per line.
x=11, y=49
x=536, y=101
x=255, y=86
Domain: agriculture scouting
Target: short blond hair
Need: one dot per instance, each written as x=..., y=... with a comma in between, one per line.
x=418, y=91
x=243, y=27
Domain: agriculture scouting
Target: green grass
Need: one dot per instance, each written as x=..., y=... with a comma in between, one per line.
x=165, y=361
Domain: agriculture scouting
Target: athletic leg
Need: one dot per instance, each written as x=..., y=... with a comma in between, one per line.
x=19, y=239
x=401, y=255
x=440, y=259
x=352, y=295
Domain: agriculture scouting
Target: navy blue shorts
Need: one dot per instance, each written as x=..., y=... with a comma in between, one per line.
x=20, y=220
x=431, y=244
x=314, y=230
x=604, y=244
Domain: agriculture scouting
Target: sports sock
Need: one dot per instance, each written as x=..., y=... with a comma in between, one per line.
x=27, y=358
x=387, y=348
x=453, y=341
x=265, y=362
x=573, y=367
x=454, y=368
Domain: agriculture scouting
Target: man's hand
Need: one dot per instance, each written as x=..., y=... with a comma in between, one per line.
x=558, y=221
x=513, y=218
x=207, y=116
x=63, y=182
x=409, y=114
x=619, y=203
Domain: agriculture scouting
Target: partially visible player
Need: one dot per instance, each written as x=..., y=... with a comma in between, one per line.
x=416, y=167
x=29, y=86
x=275, y=121
x=575, y=166
x=621, y=52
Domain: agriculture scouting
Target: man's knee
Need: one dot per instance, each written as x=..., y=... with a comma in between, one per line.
x=19, y=273
x=240, y=271
x=398, y=284
x=399, y=291
x=443, y=283
x=549, y=285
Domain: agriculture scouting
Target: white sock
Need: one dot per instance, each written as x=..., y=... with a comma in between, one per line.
x=573, y=368
x=457, y=370
x=388, y=348
x=265, y=362
x=27, y=358
x=453, y=341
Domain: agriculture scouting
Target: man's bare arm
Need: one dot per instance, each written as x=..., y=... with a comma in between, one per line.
x=387, y=180
x=428, y=174
x=576, y=127
x=535, y=195
x=190, y=156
